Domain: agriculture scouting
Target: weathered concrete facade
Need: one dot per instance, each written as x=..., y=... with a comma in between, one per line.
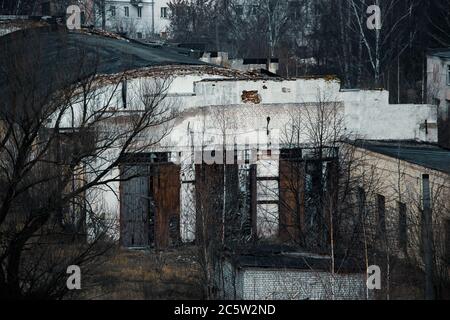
x=253, y=113
x=399, y=183
x=263, y=279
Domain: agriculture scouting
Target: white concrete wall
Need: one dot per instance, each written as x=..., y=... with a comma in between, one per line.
x=260, y=284
x=437, y=84
x=214, y=107
x=367, y=114
x=276, y=284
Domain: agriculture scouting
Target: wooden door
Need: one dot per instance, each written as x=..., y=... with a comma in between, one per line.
x=166, y=187
x=134, y=211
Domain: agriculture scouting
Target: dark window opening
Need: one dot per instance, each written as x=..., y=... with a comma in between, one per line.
x=436, y=102
x=448, y=75
x=46, y=8
x=361, y=202
x=402, y=227
x=113, y=11
x=447, y=241
x=139, y=12
x=124, y=93
x=381, y=213
x=127, y=12
x=291, y=154
x=164, y=12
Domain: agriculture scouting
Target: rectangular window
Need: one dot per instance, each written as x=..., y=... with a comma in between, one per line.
x=361, y=202
x=164, y=12
x=436, y=102
x=239, y=10
x=445, y=114
x=139, y=12
x=447, y=240
x=381, y=213
x=448, y=75
x=139, y=35
x=402, y=227
x=113, y=11
x=127, y=11
x=46, y=8
x=124, y=93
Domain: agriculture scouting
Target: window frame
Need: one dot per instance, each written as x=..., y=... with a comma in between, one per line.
x=448, y=74
x=127, y=11
x=381, y=214
x=447, y=240
x=164, y=12
x=112, y=9
x=139, y=12
x=402, y=226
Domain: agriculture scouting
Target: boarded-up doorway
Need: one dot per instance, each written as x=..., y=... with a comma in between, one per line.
x=165, y=187
x=150, y=205
x=292, y=200
x=134, y=207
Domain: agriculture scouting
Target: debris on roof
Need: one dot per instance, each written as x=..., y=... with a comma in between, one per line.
x=100, y=32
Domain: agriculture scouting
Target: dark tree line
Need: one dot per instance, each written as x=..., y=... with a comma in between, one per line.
x=324, y=37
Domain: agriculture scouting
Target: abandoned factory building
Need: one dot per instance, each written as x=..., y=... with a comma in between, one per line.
x=249, y=146
x=249, y=114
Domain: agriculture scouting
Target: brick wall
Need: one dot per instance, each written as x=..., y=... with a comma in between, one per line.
x=270, y=284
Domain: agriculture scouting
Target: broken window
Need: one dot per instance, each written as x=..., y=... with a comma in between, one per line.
x=402, y=227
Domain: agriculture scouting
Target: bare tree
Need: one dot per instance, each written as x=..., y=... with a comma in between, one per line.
x=62, y=135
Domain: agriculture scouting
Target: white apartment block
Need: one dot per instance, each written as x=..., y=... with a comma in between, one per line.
x=139, y=19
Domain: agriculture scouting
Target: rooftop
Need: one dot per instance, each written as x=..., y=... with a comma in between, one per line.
x=44, y=60
x=423, y=154
x=441, y=53
x=286, y=257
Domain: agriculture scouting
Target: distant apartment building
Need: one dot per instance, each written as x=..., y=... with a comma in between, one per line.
x=438, y=87
x=59, y=9
x=137, y=19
